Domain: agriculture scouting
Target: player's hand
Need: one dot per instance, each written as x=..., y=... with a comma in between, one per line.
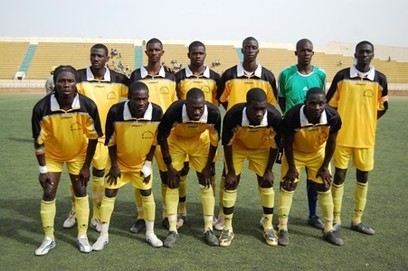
x=327, y=178
x=84, y=175
x=205, y=177
x=113, y=175
x=231, y=181
x=289, y=179
x=268, y=179
x=146, y=171
x=173, y=177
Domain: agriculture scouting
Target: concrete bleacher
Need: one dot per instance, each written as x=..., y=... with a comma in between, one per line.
x=12, y=55
x=224, y=55
x=275, y=59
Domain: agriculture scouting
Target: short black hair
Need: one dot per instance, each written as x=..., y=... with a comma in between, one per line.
x=154, y=40
x=255, y=95
x=135, y=86
x=101, y=46
x=249, y=39
x=64, y=68
x=303, y=41
x=194, y=93
x=195, y=44
x=364, y=42
x=314, y=91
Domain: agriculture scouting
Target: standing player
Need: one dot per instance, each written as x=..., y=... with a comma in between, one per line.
x=237, y=80
x=106, y=88
x=360, y=94
x=162, y=91
x=248, y=132
x=190, y=129
x=195, y=75
x=294, y=83
x=130, y=131
x=309, y=140
x=62, y=123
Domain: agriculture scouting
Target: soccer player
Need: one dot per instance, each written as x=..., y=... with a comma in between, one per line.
x=248, y=132
x=360, y=94
x=162, y=91
x=248, y=74
x=106, y=88
x=130, y=135
x=190, y=129
x=195, y=75
x=309, y=140
x=65, y=128
x=238, y=80
x=294, y=82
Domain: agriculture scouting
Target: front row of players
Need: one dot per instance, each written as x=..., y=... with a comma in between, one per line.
x=66, y=127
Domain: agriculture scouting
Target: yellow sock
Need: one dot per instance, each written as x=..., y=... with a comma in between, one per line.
x=48, y=210
x=326, y=204
x=208, y=202
x=172, y=198
x=149, y=207
x=138, y=202
x=360, y=200
x=337, y=194
x=98, y=190
x=268, y=201
x=82, y=214
x=107, y=206
x=182, y=208
x=229, y=199
x=284, y=204
x=214, y=184
x=163, y=194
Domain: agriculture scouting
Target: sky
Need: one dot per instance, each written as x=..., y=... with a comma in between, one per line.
x=284, y=21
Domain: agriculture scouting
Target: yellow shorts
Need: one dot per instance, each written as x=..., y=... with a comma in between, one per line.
x=101, y=156
x=74, y=166
x=311, y=161
x=159, y=159
x=257, y=159
x=363, y=158
x=132, y=177
x=195, y=150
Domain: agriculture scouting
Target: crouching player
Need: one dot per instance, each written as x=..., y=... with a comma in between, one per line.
x=309, y=139
x=130, y=135
x=65, y=128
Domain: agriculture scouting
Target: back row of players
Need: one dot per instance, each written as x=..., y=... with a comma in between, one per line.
x=119, y=139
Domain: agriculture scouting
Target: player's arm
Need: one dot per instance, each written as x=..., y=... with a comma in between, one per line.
x=114, y=171
x=292, y=174
x=282, y=103
x=384, y=97
x=324, y=171
x=221, y=89
x=231, y=179
x=44, y=177
x=84, y=173
x=333, y=89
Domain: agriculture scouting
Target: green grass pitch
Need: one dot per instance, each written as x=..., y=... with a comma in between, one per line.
x=21, y=233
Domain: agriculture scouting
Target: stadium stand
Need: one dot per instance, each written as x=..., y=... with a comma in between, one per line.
x=221, y=57
x=12, y=55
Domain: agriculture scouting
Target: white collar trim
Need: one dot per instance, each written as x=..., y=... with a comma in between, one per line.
x=91, y=77
x=305, y=122
x=205, y=74
x=144, y=72
x=356, y=73
x=245, y=120
x=55, y=106
x=241, y=71
x=128, y=116
x=185, y=118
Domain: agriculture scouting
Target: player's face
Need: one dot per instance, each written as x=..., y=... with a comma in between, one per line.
x=197, y=56
x=138, y=102
x=154, y=52
x=364, y=54
x=255, y=112
x=99, y=58
x=304, y=53
x=65, y=84
x=195, y=108
x=314, y=106
x=250, y=50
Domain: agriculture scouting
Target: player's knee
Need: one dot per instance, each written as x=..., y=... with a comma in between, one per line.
x=79, y=191
x=48, y=196
x=146, y=193
x=111, y=193
x=362, y=176
x=339, y=176
x=98, y=172
x=263, y=184
x=321, y=187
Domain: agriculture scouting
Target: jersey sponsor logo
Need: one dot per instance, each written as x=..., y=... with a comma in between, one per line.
x=164, y=90
x=76, y=126
x=147, y=135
